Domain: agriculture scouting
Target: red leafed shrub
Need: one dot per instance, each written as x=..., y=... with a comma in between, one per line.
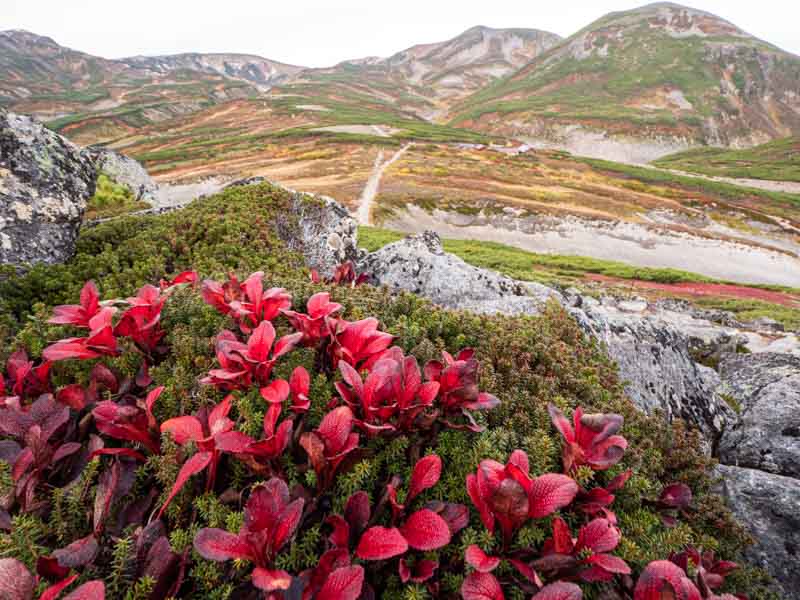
x=509, y=496
x=248, y=303
x=590, y=439
x=586, y=558
x=301, y=411
x=270, y=520
x=17, y=583
x=246, y=364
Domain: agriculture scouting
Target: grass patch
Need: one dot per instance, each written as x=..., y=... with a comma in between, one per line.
x=111, y=199
x=778, y=161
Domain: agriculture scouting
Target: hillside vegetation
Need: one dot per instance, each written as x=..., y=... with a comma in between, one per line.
x=525, y=362
x=662, y=69
x=777, y=161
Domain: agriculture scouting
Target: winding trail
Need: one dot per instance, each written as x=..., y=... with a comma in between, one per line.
x=364, y=212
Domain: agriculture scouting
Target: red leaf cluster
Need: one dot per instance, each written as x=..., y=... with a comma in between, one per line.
x=248, y=303
x=590, y=439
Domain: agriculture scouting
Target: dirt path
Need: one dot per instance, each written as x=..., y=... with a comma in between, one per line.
x=364, y=212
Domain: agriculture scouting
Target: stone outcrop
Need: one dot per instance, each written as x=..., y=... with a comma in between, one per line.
x=769, y=506
x=45, y=182
x=655, y=360
x=325, y=234
x=125, y=171
x=766, y=436
x=418, y=264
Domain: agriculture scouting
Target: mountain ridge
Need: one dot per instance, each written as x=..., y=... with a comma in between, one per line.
x=675, y=71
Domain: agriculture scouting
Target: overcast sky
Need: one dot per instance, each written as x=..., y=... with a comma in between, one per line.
x=320, y=33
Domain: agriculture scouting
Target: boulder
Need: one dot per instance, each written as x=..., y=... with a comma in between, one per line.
x=125, y=171
x=655, y=361
x=45, y=182
x=325, y=233
x=418, y=264
x=766, y=436
x=769, y=506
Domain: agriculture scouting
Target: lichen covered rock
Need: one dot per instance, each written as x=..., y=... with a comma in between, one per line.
x=45, y=182
x=766, y=436
x=125, y=171
x=419, y=264
x=770, y=507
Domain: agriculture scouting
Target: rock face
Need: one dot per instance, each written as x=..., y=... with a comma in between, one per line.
x=769, y=505
x=419, y=264
x=767, y=433
x=654, y=359
x=327, y=234
x=125, y=171
x=45, y=182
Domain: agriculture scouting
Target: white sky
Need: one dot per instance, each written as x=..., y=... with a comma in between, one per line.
x=320, y=33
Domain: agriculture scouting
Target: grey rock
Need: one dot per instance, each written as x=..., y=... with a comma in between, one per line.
x=767, y=324
x=418, y=264
x=767, y=434
x=326, y=235
x=45, y=182
x=125, y=171
x=655, y=362
x=769, y=505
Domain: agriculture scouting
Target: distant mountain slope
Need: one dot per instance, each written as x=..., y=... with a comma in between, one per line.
x=778, y=161
x=99, y=99
x=425, y=78
x=661, y=71
x=262, y=72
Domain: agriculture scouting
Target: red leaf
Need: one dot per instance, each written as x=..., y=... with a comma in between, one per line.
x=423, y=570
x=79, y=553
x=610, y=563
x=456, y=516
x=73, y=396
x=194, y=465
x=220, y=545
x=271, y=581
x=380, y=543
x=599, y=535
x=93, y=590
x=129, y=452
x=479, y=560
x=426, y=474
x=336, y=427
x=276, y=392
x=481, y=586
x=342, y=584
x=676, y=495
x=562, y=537
x=234, y=442
x=425, y=530
x=106, y=488
x=53, y=591
x=287, y=523
x=560, y=590
x=183, y=429
x=549, y=493
x=16, y=582
x=261, y=341
x=357, y=511
x=664, y=579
